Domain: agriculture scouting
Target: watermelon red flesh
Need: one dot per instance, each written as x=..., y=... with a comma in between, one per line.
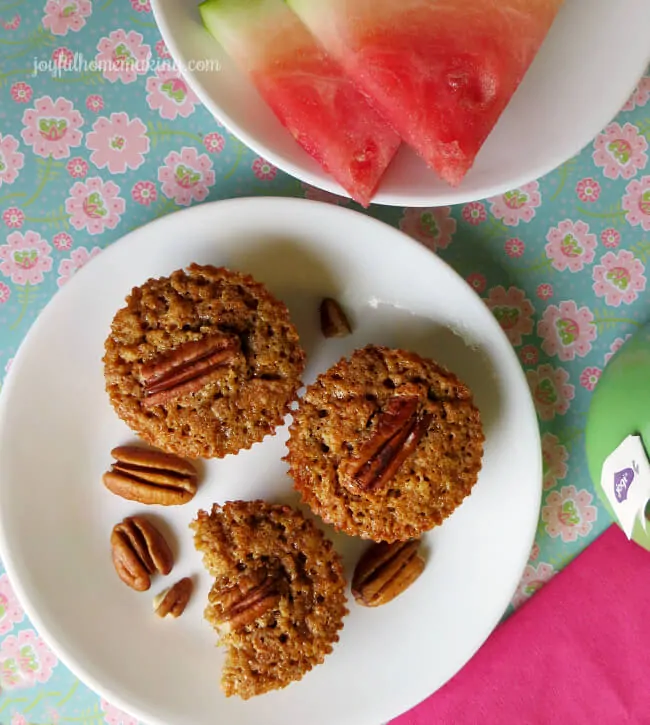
x=306, y=90
x=440, y=71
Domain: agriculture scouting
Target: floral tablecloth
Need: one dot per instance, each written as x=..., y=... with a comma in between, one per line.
x=87, y=155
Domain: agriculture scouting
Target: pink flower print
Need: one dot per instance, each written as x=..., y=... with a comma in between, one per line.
x=11, y=160
x=62, y=241
x=264, y=170
x=514, y=248
x=169, y=94
x=52, y=128
x=517, y=205
x=529, y=355
x=570, y=245
x=12, y=24
x=118, y=143
x=532, y=581
x=637, y=203
x=610, y=238
x=94, y=103
x=619, y=278
x=514, y=312
x=568, y=513
x=144, y=192
x=18, y=719
x=186, y=176
x=551, y=390
x=25, y=258
x=141, y=6
x=113, y=716
x=25, y=660
x=62, y=16
x=545, y=291
x=21, y=92
x=589, y=377
x=588, y=190
x=616, y=346
x=534, y=552
x=433, y=226
x=13, y=217
x=477, y=282
x=566, y=330
x=62, y=57
x=10, y=610
x=78, y=258
x=53, y=716
x=214, y=143
x=95, y=205
x=640, y=95
x=162, y=50
x=311, y=192
x=554, y=460
x=5, y=294
x=474, y=213
x=77, y=168
x=620, y=151
x=123, y=56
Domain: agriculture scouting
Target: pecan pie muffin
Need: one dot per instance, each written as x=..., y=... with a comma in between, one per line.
x=385, y=445
x=278, y=599
x=202, y=363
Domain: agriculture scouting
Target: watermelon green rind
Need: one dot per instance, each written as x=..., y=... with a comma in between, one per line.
x=306, y=89
x=236, y=23
x=440, y=71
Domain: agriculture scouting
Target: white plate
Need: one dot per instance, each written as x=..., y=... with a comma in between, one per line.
x=57, y=428
x=588, y=66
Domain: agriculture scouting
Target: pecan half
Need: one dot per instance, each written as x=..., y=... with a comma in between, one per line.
x=246, y=601
x=139, y=550
x=150, y=477
x=385, y=571
x=397, y=433
x=333, y=320
x=173, y=600
x=187, y=368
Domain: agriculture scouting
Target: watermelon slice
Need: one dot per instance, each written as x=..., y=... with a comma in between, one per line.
x=441, y=72
x=306, y=90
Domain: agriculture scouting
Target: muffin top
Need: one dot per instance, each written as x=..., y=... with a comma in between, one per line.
x=385, y=445
x=278, y=599
x=202, y=363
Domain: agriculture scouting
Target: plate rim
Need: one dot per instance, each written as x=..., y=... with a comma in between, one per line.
x=451, y=195
x=54, y=642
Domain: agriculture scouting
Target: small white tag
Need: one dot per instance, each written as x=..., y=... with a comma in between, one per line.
x=625, y=479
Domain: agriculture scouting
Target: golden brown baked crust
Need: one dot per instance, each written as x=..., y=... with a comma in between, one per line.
x=238, y=402
x=245, y=543
x=337, y=421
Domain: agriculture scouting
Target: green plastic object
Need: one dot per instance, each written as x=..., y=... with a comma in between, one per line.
x=620, y=407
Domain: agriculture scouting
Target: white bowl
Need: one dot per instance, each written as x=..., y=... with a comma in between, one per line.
x=592, y=58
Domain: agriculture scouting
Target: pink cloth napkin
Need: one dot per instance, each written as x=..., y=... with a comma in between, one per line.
x=577, y=652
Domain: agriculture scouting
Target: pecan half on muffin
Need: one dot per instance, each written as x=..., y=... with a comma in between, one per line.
x=278, y=598
x=385, y=445
x=202, y=363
